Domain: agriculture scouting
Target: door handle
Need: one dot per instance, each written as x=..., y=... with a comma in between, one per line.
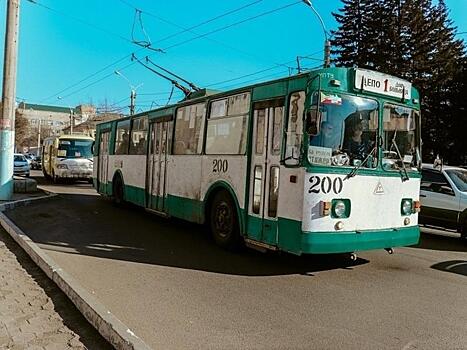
x=423, y=195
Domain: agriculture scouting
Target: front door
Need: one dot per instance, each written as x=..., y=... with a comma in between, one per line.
x=156, y=165
x=103, y=161
x=265, y=171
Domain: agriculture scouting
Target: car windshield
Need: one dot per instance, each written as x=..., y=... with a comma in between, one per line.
x=19, y=158
x=459, y=177
x=400, y=141
x=347, y=131
x=74, y=148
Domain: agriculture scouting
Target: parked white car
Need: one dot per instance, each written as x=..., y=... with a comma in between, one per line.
x=21, y=165
x=443, y=196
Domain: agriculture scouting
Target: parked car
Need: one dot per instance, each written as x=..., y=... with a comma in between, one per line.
x=443, y=197
x=36, y=163
x=21, y=165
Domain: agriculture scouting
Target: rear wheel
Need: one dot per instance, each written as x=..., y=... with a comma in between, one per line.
x=117, y=191
x=224, y=221
x=464, y=230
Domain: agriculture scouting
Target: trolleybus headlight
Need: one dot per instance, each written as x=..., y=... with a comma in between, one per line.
x=406, y=206
x=340, y=208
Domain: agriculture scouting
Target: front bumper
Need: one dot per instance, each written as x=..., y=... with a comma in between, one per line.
x=345, y=242
x=85, y=174
x=21, y=172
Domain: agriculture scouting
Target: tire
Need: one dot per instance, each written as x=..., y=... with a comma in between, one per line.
x=117, y=191
x=55, y=179
x=464, y=230
x=224, y=221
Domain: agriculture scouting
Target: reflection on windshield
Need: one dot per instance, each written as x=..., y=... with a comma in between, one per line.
x=459, y=177
x=348, y=131
x=74, y=149
x=400, y=137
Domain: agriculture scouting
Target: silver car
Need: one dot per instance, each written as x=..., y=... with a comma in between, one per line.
x=21, y=165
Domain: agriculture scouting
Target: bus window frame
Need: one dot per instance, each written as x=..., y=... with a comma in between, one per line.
x=285, y=128
x=203, y=130
x=248, y=129
x=133, y=118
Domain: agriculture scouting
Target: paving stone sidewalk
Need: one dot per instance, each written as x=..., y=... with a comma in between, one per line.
x=34, y=312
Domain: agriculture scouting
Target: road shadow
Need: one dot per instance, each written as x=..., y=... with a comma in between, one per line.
x=439, y=242
x=90, y=225
x=68, y=312
x=454, y=266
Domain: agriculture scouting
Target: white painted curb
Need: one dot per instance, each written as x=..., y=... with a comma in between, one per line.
x=110, y=327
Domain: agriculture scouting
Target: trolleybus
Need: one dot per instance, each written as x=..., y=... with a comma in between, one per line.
x=326, y=161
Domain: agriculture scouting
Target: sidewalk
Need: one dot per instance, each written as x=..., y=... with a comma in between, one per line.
x=34, y=312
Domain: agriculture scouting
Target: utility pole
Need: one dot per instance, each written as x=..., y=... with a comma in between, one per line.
x=327, y=43
x=39, y=138
x=7, y=117
x=72, y=121
x=132, y=91
x=132, y=101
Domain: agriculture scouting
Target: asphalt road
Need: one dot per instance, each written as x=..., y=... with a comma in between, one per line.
x=175, y=289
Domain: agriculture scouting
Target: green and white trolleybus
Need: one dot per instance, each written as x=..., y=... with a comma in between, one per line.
x=322, y=162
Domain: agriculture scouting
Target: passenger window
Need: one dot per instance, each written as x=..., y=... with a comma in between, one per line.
x=227, y=124
x=434, y=181
x=189, y=127
x=257, y=189
x=277, y=130
x=138, y=138
x=122, y=137
x=294, y=132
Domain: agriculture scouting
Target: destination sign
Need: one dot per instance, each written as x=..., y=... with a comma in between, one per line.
x=382, y=84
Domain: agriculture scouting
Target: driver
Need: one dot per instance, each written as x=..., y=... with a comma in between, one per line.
x=354, y=145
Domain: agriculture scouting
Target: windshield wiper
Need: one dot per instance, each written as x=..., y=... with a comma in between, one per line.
x=404, y=176
x=353, y=172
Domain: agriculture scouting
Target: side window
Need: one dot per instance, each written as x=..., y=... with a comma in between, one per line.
x=139, y=134
x=294, y=132
x=435, y=182
x=227, y=125
x=122, y=137
x=189, y=127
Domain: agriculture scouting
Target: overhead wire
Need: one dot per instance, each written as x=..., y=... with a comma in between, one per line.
x=175, y=45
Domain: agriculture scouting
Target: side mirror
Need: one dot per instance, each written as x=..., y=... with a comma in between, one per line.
x=447, y=190
x=313, y=121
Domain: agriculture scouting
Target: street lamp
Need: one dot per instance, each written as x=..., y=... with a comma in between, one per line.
x=327, y=43
x=132, y=93
x=72, y=116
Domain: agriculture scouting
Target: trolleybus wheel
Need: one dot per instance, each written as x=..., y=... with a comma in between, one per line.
x=117, y=191
x=224, y=221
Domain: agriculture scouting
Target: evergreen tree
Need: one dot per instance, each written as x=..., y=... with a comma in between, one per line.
x=412, y=39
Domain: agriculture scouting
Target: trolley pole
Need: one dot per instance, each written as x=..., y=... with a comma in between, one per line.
x=7, y=117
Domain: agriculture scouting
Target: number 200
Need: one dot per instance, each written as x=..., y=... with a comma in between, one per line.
x=327, y=184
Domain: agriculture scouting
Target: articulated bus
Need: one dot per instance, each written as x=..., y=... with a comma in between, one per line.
x=67, y=157
x=326, y=161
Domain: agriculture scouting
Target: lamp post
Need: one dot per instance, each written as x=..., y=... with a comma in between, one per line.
x=72, y=116
x=327, y=43
x=132, y=91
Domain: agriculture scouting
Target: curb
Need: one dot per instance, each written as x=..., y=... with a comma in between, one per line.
x=110, y=327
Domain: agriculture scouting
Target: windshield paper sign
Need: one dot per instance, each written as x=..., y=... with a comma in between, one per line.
x=382, y=84
x=319, y=155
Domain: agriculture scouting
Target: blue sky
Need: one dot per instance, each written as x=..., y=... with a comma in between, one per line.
x=71, y=40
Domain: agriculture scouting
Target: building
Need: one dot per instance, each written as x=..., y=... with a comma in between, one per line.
x=46, y=120
x=88, y=127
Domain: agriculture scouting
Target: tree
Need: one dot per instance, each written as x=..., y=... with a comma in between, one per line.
x=412, y=39
x=21, y=129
